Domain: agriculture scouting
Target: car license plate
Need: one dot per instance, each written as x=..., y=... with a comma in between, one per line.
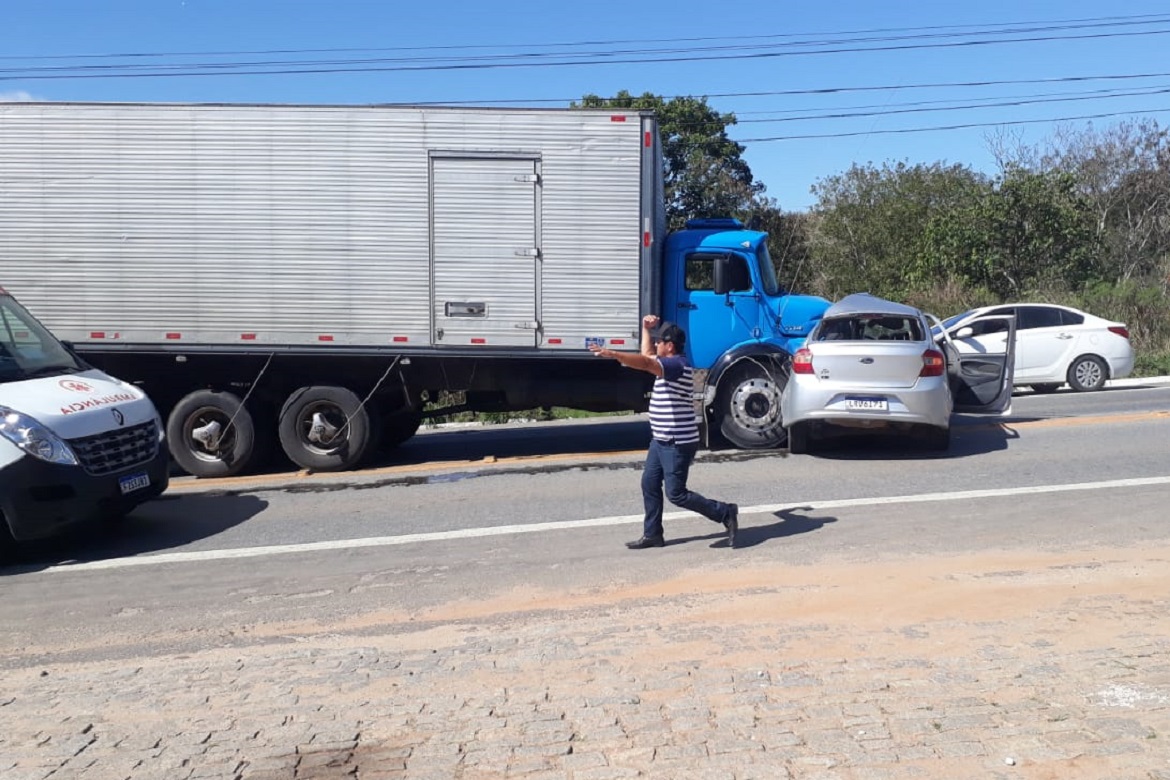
x=133, y=482
x=867, y=404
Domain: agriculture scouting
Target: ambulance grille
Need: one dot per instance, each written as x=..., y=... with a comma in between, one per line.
x=107, y=453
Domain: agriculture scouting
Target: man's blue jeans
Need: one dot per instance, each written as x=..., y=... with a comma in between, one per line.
x=670, y=464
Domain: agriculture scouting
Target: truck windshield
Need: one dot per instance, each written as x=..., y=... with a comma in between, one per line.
x=768, y=272
x=27, y=350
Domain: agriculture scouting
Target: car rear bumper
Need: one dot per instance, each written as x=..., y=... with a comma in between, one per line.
x=1121, y=367
x=927, y=403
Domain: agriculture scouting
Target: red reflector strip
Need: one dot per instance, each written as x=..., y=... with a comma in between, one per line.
x=555, y=341
x=649, y=140
x=324, y=337
x=97, y=334
x=479, y=341
x=617, y=118
x=646, y=238
x=247, y=336
x=400, y=339
x=174, y=336
x=617, y=341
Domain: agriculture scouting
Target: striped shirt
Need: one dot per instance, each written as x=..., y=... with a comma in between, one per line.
x=672, y=408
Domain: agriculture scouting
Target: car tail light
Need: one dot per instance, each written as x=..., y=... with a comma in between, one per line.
x=933, y=363
x=1120, y=330
x=802, y=362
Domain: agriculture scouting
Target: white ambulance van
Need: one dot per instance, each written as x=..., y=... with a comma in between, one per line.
x=76, y=445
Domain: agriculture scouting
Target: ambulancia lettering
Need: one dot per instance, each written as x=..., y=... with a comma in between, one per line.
x=94, y=403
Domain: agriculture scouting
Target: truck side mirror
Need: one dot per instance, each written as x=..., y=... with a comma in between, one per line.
x=731, y=274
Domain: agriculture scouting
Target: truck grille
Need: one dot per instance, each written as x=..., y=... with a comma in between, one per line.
x=113, y=451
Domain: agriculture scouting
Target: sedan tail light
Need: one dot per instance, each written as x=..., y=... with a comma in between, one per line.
x=933, y=363
x=1120, y=330
x=802, y=362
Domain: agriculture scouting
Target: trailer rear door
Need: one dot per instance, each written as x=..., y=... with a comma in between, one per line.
x=485, y=251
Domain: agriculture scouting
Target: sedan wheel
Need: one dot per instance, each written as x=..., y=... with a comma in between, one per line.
x=1087, y=372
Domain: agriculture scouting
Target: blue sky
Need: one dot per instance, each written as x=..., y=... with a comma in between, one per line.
x=807, y=46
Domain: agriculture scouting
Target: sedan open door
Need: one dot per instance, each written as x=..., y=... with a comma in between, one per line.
x=981, y=373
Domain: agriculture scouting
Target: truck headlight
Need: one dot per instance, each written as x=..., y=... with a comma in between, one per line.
x=34, y=438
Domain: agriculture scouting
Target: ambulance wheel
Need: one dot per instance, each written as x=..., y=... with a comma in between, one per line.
x=211, y=434
x=325, y=429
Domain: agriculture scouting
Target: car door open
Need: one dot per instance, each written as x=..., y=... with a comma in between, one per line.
x=981, y=382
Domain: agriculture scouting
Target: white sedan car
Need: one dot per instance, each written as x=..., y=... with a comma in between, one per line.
x=874, y=364
x=1054, y=344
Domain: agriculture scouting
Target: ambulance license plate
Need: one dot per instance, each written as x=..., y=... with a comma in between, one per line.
x=132, y=482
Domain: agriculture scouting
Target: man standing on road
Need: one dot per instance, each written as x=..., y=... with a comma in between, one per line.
x=674, y=430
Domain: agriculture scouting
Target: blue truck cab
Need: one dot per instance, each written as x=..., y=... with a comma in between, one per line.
x=742, y=326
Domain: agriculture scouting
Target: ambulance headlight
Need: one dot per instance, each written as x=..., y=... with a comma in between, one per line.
x=34, y=438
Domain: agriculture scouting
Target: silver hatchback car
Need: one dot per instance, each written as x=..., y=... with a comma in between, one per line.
x=874, y=364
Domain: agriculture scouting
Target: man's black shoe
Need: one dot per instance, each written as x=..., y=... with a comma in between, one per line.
x=732, y=524
x=646, y=541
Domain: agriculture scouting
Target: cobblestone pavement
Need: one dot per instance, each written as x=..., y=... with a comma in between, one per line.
x=1058, y=669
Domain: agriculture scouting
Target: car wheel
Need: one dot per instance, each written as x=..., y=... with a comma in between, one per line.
x=938, y=439
x=749, y=406
x=800, y=438
x=1045, y=388
x=1088, y=372
x=211, y=434
x=325, y=428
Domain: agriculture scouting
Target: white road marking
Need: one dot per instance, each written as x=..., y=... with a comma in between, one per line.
x=596, y=522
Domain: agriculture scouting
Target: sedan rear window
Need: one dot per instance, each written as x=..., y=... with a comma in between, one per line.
x=869, y=327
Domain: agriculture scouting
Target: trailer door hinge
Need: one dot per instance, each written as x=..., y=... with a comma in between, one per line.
x=526, y=325
x=528, y=178
x=533, y=251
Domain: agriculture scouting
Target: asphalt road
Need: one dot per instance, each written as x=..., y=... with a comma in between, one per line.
x=468, y=514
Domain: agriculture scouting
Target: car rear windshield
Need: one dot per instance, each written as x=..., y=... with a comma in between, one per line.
x=869, y=327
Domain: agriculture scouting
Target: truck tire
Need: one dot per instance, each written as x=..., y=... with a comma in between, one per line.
x=399, y=428
x=1087, y=373
x=749, y=406
x=325, y=429
x=201, y=440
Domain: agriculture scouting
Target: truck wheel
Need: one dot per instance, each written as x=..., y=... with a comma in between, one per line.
x=325, y=429
x=201, y=440
x=749, y=406
x=1088, y=372
x=799, y=440
x=399, y=427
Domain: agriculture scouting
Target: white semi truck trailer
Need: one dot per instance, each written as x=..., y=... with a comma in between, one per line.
x=313, y=275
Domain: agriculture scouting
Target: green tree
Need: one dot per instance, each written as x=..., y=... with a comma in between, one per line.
x=1030, y=232
x=705, y=173
x=870, y=224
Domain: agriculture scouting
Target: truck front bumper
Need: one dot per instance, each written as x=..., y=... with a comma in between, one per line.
x=40, y=499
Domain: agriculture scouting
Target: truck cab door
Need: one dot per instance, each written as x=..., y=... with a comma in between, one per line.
x=980, y=378
x=714, y=321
